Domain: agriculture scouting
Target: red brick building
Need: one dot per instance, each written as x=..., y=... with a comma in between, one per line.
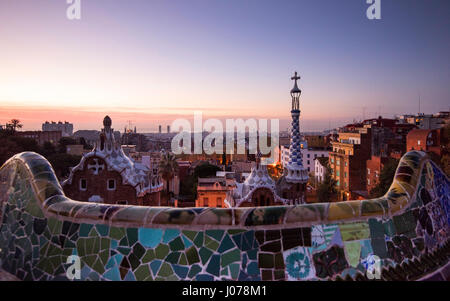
x=107, y=175
x=425, y=140
x=374, y=167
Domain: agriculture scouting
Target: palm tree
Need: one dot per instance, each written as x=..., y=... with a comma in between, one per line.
x=168, y=167
x=14, y=124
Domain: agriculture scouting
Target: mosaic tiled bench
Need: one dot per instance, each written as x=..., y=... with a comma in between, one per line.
x=408, y=229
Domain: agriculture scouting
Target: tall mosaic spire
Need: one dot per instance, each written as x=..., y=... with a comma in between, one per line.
x=296, y=172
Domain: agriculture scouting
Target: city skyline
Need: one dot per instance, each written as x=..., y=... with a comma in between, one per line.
x=153, y=62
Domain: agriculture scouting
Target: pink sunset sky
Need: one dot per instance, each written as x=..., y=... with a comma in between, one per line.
x=154, y=61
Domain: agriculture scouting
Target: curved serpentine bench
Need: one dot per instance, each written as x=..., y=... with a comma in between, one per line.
x=408, y=229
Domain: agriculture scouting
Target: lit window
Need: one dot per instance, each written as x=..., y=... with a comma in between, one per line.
x=83, y=184
x=368, y=181
x=368, y=171
x=111, y=184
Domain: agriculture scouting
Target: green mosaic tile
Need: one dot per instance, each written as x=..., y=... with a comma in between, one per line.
x=198, y=241
x=195, y=269
x=124, y=242
x=138, y=250
x=224, y=272
x=99, y=267
x=96, y=247
x=90, y=259
x=173, y=257
x=216, y=234
x=183, y=259
x=161, y=251
x=124, y=250
x=176, y=244
x=105, y=243
x=190, y=234
x=34, y=210
x=85, y=229
x=212, y=244
x=116, y=233
x=142, y=272
x=205, y=254
x=230, y=257
x=165, y=270
x=234, y=270
x=102, y=229
x=192, y=255
x=93, y=232
x=172, y=278
x=235, y=231
x=132, y=234
x=149, y=256
x=104, y=256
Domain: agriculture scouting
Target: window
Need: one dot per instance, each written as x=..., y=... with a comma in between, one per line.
x=337, y=183
x=338, y=162
x=315, y=156
x=418, y=142
x=308, y=168
x=111, y=184
x=83, y=184
x=345, y=174
x=307, y=155
x=368, y=171
x=345, y=163
x=337, y=173
x=332, y=160
x=346, y=184
x=368, y=181
x=308, y=162
x=205, y=202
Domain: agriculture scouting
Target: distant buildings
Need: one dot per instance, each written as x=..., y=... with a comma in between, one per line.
x=320, y=168
x=348, y=162
x=107, y=175
x=65, y=128
x=41, y=137
x=374, y=167
x=211, y=192
x=425, y=140
x=426, y=121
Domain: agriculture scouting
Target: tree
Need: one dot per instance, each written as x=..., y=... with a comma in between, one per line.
x=168, y=167
x=327, y=189
x=63, y=142
x=386, y=177
x=62, y=163
x=14, y=124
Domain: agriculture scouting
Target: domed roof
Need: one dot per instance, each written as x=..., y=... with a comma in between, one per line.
x=107, y=121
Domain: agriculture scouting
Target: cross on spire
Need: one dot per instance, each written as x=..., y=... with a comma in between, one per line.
x=295, y=77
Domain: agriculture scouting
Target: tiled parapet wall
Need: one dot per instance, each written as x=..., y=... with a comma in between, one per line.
x=40, y=228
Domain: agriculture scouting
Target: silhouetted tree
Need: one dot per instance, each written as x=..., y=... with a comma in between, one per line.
x=14, y=124
x=327, y=189
x=385, y=180
x=168, y=167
